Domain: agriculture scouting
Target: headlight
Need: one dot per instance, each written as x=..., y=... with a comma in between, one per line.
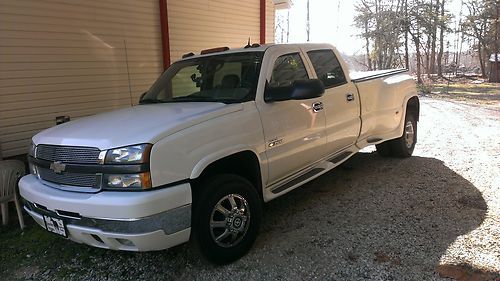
x=32, y=149
x=134, y=154
x=128, y=181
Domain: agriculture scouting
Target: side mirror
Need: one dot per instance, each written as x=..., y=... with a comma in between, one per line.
x=299, y=90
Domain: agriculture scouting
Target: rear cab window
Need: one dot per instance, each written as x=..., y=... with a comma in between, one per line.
x=327, y=67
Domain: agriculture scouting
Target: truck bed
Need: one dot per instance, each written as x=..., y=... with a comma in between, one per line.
x=360, y=76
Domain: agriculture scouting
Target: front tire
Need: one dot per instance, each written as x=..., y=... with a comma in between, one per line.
x=226, y=219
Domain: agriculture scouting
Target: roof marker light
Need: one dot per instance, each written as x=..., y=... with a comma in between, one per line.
x=214, y=50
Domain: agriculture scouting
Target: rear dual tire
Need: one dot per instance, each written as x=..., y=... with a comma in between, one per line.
x=403, y=146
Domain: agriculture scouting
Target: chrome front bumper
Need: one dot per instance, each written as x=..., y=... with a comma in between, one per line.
x=142, y=228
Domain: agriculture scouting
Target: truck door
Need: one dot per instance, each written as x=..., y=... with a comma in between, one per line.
x=293, y=129
x=341, y=100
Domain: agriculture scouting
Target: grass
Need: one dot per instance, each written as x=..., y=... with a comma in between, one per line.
x=487, y=94
x=35, y=250
x=467, y=89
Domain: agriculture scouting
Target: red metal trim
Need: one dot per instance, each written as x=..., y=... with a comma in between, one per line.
x=262, y=21
x=165, y=38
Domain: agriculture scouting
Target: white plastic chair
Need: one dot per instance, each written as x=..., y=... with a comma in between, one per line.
x=10, y=172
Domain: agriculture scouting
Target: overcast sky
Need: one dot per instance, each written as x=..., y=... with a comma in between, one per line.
x=331, y=21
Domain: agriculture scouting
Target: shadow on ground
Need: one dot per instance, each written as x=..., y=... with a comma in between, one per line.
x=372, y=218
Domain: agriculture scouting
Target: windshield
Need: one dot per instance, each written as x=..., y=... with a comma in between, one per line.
x=227, y=78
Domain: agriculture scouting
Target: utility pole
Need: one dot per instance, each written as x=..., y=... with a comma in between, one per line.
x=287, y=25
x=308, y=27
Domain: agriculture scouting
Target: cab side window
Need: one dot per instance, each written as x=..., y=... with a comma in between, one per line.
x=287, y=69
x=327, y=68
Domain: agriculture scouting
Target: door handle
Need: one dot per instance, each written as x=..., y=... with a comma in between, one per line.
x=317, y=106
x=350, y=96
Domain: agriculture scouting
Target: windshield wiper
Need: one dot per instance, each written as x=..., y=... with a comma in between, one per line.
x=182, y=99
x=148, y=101
x=194, y=98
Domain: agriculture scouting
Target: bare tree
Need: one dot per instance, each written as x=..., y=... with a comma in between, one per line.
x=393, y=28
x=480, y=24
x=405, y=27
x=442, y=27
x=416, y=17
x=382, y=31
x=282, y=27
x=434, y=20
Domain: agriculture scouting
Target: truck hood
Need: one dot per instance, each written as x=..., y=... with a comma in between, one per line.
x=134, y=125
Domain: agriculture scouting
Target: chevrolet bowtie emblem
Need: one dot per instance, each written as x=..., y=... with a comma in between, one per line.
x=57, y=167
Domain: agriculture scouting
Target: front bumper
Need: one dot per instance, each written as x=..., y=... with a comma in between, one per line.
x=132, y=221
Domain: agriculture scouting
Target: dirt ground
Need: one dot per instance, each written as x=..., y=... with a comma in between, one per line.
x=434, y=215
x=475, y=92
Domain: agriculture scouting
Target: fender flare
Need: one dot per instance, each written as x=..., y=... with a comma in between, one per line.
x=407, y=99
x=211, y=158
x=405, y=106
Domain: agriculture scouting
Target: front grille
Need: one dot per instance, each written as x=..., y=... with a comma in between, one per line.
x=68, y=154
x=74, y=179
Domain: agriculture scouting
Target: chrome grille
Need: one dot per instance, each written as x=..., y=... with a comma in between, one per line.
x=74, y=179
x=68, y=154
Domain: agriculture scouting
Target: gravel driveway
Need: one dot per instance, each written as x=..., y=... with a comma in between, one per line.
x=373, y=218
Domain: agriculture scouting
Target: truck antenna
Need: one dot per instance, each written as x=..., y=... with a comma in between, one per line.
x=128, y=73
x=248, y=44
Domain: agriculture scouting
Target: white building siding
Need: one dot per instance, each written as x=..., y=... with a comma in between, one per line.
x=67, y=57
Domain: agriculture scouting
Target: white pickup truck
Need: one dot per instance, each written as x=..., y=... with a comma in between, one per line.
x=215, y=137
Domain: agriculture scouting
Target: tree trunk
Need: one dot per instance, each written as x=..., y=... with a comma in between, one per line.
x=481, y=61
x=432, y=66
x=427, y=56
x=441, y=42
x=377, y=47
x=368, y=59
x=419, y=62
x=407, y=58
x=416, y=41
x=459, y=41
x=494, y=70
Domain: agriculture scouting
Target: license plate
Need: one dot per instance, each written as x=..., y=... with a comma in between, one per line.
x=55, y=225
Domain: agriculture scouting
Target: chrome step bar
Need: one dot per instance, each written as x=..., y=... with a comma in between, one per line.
x=312, y=173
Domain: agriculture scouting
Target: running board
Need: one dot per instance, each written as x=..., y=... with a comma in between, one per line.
x=300, y=180
x=315, y=172
x=340, y=157
x=372, y=140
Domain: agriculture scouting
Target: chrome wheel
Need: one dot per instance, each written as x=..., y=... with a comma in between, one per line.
x=409, y=134
x=229, y=220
